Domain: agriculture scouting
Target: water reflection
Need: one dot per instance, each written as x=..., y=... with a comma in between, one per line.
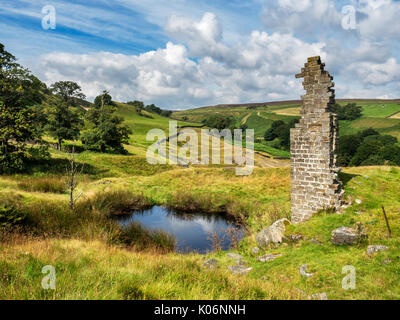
x=193, y=232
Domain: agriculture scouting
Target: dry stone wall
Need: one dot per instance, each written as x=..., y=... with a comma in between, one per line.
x=315, y=184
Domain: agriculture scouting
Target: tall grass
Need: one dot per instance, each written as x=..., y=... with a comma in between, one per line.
x=90, y=220
x=119, y=202
x=136, y=236
x=51, y=184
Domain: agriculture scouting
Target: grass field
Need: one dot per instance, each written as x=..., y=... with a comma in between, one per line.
x=91, y=263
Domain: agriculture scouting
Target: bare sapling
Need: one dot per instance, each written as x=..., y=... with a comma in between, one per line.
x=73, y=170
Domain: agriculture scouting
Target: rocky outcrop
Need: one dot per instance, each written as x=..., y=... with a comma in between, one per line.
x=345, y=235
x=272, y=234
x=375, y=248
x=269, y=257
x=240, y=269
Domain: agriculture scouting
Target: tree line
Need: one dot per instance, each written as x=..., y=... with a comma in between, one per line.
x=29, y=110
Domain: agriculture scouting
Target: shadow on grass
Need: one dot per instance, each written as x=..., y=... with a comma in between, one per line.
x=346, y=177
x=58, y=166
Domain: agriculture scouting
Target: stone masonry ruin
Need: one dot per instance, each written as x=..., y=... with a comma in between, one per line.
x=315, y=184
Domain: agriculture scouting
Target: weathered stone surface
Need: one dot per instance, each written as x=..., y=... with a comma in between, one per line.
x=269, y=257
x=274, y=233
x=239, y=269
x=211, y=264
x=313, y=144
x=375, y=248
x=345, y=235
x=303, y=271
x=255, y=250
x=234, y=256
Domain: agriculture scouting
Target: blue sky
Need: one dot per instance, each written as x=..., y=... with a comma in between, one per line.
x=186, y=53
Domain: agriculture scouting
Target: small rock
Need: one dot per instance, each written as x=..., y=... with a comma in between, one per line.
x=318, y=296
x=269, y=257
x=358, y=201
x=315, y=241
x=295, y=237
x=387, y=261
x=234, y=256
x=303, y=271
x=375, y=248
x=345, y=235
x=211, y=263
x=239, y=269
x=255, y=250
x=274, y=233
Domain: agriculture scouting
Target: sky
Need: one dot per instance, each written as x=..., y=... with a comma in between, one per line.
x=180, y=54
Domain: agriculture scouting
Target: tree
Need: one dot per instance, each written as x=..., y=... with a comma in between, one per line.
x=103, y=100
x=19, y=91
x=64, y=122
x=136, y=103
x=348, y=112
x=281, y=130
x=73, y=170
x=105, y=131
x=68, y=91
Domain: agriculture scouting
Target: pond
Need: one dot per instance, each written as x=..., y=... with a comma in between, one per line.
x=192, y=231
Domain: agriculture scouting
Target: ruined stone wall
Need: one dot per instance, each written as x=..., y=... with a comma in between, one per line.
x=314, y=171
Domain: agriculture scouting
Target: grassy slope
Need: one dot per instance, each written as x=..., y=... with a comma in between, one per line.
x=376, y=114
x=91, y=269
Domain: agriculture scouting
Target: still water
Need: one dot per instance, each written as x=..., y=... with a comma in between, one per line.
x=191, y=231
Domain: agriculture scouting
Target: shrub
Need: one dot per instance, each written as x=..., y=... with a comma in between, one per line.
x=10, y=215
x=43, y=184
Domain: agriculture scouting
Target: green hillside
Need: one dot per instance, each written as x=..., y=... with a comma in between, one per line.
x=378, y=114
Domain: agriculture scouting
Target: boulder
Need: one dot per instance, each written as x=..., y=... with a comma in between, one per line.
x=239, y=269
x=375, y=248
x=269, y=257
x=345, y=235
x=255, y=250
x=211, y=264
x=274, y=233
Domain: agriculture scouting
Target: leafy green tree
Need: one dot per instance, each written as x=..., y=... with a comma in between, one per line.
x=281, y=130
x=105, y=131
x=220, y=122
x=392, y=154
x=64, y=122
x=348, y=146
x=136, y=103
x=70, y=92
x=103, y=100
x=348, y=112
x=19, y=91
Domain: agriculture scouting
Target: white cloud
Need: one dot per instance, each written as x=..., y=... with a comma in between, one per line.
x=306, y=17
x=202, y=69
x=377, y=74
